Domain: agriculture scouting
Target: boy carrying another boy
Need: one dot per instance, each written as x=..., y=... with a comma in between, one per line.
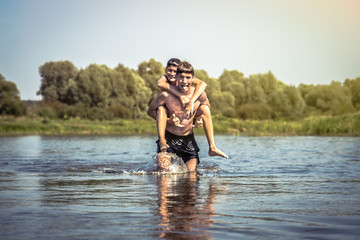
x=179, y=137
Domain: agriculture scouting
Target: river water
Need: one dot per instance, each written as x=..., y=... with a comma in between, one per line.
x=98, y=187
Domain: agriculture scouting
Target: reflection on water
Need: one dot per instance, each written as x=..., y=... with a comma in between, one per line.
x=184, y=213
x=105, y=188
x=82, y=206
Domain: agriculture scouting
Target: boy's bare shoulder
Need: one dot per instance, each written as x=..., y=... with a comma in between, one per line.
x=166, y=95
x=203, y=97
x=163, y=94
x=204, y=100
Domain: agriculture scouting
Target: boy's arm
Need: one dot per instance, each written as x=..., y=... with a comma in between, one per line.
x=155, y=103
x=200, y=87
x=203, y=99
x=164, y=85
x=160, y=101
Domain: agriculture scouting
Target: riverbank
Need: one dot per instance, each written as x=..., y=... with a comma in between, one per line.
x=344, y=125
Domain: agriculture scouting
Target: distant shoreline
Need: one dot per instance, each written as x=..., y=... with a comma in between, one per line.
x=343, y=125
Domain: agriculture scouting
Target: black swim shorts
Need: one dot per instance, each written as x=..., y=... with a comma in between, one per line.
x=183, y=146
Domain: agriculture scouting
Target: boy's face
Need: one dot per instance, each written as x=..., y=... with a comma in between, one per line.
x=171, y=74
x=184, y=81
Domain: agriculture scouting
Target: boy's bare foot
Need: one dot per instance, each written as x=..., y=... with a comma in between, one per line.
x=217, y=152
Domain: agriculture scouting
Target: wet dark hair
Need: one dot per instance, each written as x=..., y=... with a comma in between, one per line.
x=185, y=67
x=173, y=62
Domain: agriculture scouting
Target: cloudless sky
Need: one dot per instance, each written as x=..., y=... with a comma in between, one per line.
x=300, y=41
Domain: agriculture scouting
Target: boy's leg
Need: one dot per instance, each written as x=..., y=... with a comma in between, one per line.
x=208, y=128
x=163, y=161
x=192, y=164
x=161, y=125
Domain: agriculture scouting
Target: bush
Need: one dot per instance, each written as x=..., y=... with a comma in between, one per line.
x=228, y=112
x=46, y=112
x=97, y=114
x=254, y=111
x=119, y=111
x=12, y=107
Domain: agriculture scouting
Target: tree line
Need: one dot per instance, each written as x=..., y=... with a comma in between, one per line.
x=10, y=102
x=100, y=92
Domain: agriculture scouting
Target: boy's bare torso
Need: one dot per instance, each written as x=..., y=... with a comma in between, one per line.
x=174, y=106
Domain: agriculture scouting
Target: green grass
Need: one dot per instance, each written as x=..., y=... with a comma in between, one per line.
x=37, y=126
x=344, y=125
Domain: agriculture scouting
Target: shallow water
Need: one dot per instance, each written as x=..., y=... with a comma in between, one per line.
x=105, y=188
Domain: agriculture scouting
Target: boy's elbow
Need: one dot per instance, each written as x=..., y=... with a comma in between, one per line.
x=161, y=85
x=150, y=112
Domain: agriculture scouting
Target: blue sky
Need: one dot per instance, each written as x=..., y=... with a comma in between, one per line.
x=300, y=41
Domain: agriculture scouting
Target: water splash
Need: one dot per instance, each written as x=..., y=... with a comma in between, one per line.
x=177, y=165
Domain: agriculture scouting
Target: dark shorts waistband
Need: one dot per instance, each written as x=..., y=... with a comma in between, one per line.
x=171, y=135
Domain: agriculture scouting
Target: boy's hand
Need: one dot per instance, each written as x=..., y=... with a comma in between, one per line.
x=198, y=122
x=163, y=146
x=184, y=100
x=176, y=121
x=189, y=109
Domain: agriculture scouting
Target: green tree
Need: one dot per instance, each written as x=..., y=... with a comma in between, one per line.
x=238, y=90
x=227, y=78
x=254, y=111
x=223, y=103
x=354, y=87
x=10, y=102
x=270, y=83
x=254, y=91
x=279, y=103
x=234, y=82
x=72, y=92
x=333, y=98
x=213, y=84
x=286, y=102
x=94, y=85
x=151, y=72
x=56, y=78
x=305, y=89
x=8, y=89
x=137, y=94
x=296, y=101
